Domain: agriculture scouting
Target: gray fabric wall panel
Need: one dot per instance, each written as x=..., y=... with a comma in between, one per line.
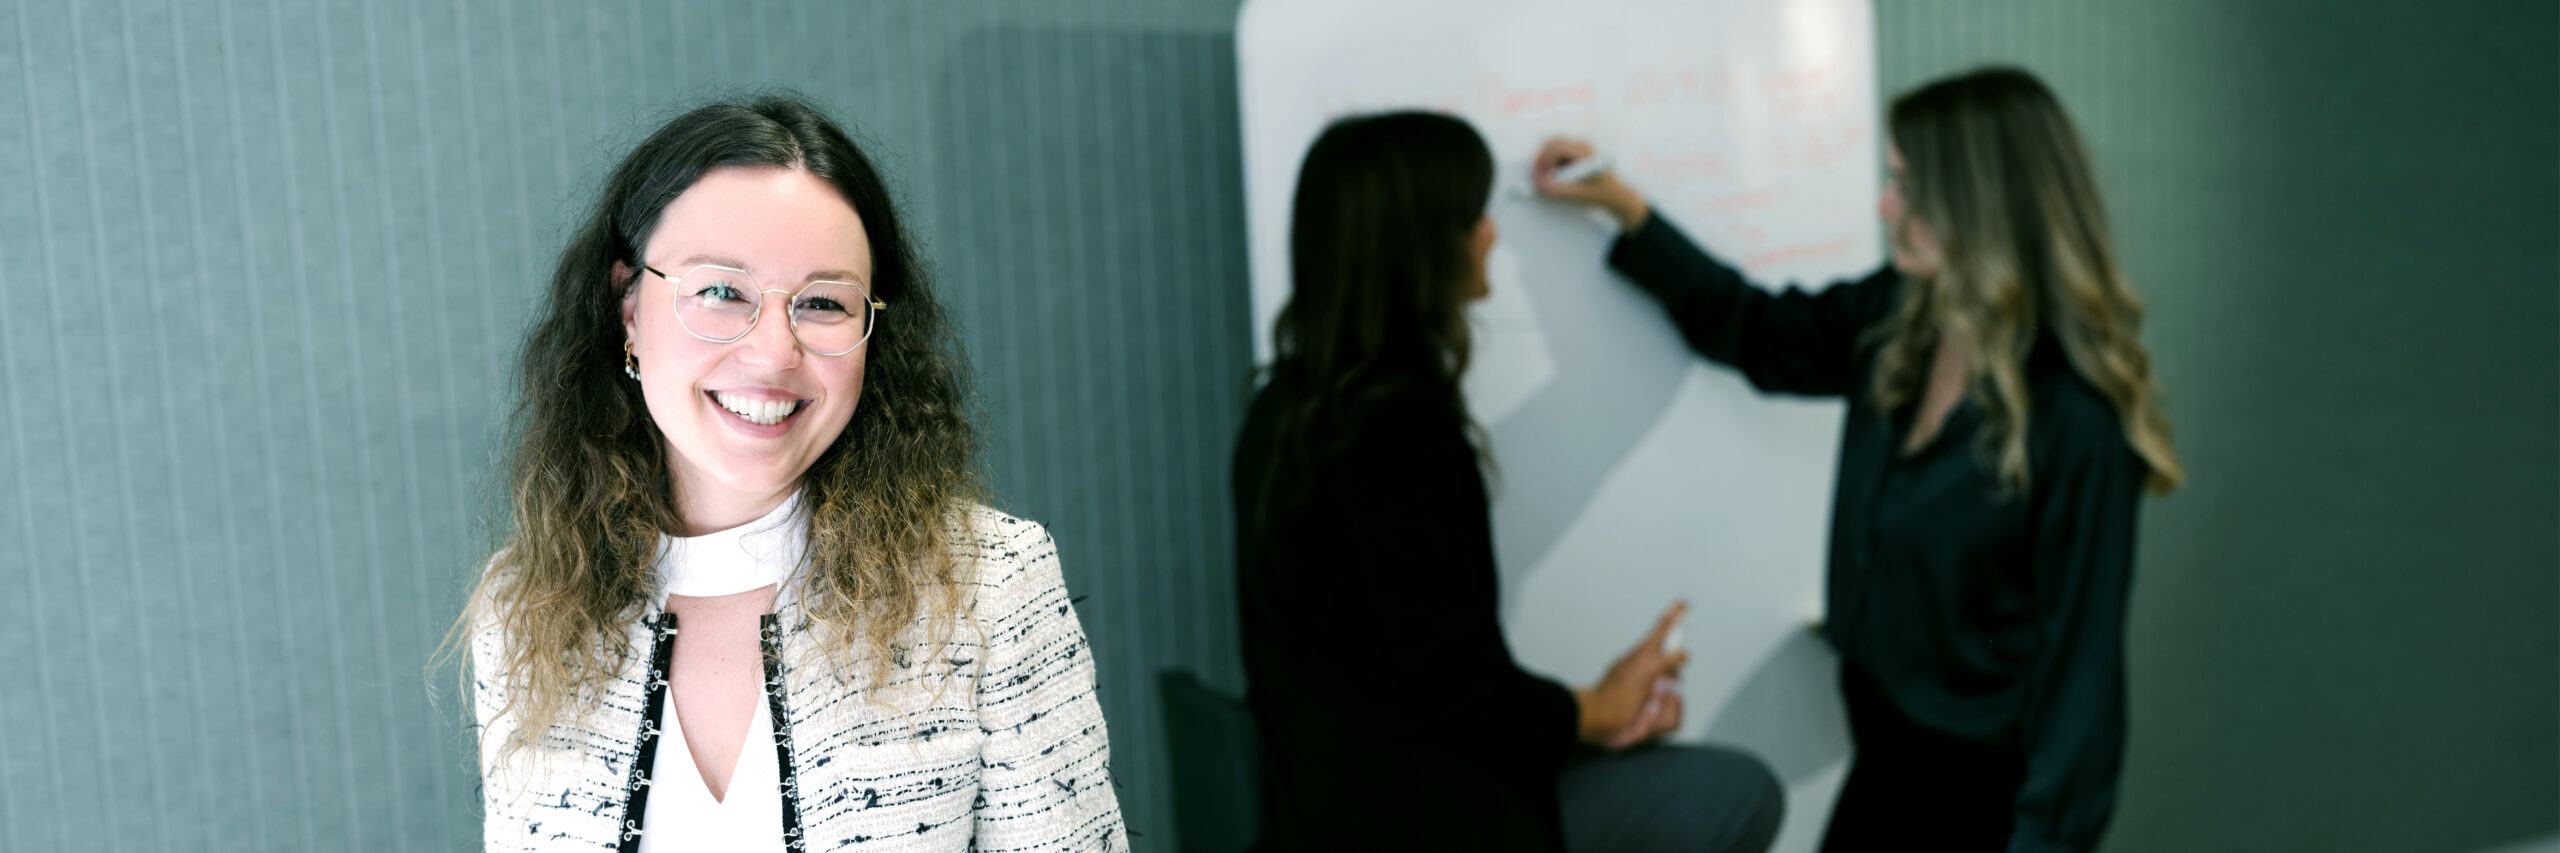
x=268, y=264
x=1099, y=265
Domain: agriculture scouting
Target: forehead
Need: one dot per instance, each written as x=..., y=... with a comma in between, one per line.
x=780, y=224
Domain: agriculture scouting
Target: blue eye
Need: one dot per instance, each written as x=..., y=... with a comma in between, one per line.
x=719, y=292
x=821, y=303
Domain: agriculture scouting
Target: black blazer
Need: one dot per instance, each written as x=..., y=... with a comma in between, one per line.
x=1994, y=617
x=1392, y=713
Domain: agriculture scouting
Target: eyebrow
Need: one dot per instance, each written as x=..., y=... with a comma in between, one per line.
x=821, y=275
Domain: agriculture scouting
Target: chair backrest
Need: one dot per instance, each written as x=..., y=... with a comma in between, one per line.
x=1217, y=753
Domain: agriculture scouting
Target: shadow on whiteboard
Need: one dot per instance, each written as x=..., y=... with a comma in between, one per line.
x=1597, y=366
x=1788, y=710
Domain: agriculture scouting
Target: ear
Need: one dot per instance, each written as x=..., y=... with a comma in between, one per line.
x=630, y=300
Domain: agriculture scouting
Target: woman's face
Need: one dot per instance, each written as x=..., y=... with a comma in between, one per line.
x=785, y=227
x=1915, y=249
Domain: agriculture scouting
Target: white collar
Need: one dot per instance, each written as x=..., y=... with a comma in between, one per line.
x=763, y=552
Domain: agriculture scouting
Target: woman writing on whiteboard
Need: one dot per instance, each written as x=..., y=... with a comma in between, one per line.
x=2002, y=424
x=1392, y=713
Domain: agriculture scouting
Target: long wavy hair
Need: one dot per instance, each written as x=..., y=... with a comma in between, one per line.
x=1993, y=167
x=1379, y=269
x=588, y=482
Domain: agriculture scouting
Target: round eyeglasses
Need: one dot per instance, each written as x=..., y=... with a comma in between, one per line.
x=722, y=304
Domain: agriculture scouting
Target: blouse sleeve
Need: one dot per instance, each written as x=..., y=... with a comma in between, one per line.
x=2075, y=712
x=1045, y=772
x=1794, y=342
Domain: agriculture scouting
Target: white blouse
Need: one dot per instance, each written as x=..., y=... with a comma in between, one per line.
x=681, y=814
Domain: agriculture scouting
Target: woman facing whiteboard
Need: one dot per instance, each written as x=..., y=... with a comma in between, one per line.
x=2002, y=424
x=1393, y=716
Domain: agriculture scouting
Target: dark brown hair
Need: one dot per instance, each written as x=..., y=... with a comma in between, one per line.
x=1379, y=267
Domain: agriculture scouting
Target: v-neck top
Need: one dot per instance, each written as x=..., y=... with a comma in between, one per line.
x=681, y=814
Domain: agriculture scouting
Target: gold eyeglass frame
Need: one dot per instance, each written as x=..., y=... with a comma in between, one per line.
x=675, y=303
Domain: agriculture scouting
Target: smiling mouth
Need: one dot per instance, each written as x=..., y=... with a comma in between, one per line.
x=758, y=412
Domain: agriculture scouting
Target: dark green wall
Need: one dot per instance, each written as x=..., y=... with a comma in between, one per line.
x=2344, y=219
x=264, y=264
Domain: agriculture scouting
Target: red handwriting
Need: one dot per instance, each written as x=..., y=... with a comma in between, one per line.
x=1498, y=97
x=1747, y=200
x=1700, y=163
x=1651, y=86
x=1793, y=93
x=1799, y=80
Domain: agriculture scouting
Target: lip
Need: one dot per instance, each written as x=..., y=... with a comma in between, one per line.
x=750, y=428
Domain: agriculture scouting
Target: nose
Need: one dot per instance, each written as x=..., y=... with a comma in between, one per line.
x=771, y=344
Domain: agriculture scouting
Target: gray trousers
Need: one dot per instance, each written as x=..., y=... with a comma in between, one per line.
x=1670, y=798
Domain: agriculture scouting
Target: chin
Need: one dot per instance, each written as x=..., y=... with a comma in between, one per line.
x=760, y=482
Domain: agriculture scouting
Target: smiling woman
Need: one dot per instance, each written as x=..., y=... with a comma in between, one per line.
x=867, y=651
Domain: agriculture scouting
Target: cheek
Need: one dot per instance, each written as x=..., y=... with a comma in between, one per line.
x=844, y=391
x=664, y=363
x=1920, y=237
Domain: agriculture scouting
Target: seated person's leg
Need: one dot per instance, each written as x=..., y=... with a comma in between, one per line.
x=1676, y=797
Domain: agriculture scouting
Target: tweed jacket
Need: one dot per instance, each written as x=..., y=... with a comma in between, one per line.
x=996, y=743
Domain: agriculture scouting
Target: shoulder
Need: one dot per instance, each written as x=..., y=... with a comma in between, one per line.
x=986, y=528
x=1878, y=293
x=1006, y=553
x=1390, y=412
x=484, y=597
x=1399, y=410
x=2075, y=424
x=1012, y=578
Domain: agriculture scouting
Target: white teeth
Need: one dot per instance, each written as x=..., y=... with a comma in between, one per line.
x=759, y=412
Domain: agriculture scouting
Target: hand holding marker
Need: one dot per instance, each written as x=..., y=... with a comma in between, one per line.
x=1570, y=173
x=1571, y=170
x=1584, y=169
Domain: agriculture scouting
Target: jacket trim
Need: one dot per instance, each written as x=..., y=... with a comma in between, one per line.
x=774, y=686
x=635, y=807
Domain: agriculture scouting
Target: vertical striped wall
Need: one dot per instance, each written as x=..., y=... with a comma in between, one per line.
x=262, y=269
x=2345, y=218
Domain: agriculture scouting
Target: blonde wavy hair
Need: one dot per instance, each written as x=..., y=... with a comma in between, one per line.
x=1995, y=170
x=588, y=478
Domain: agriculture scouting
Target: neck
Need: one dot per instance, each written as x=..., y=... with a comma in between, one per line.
x=709, y=508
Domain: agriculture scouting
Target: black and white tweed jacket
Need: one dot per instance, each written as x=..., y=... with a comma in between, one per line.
x=1013, y=757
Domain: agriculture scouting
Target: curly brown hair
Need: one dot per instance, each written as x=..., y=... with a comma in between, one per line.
x=588, y=479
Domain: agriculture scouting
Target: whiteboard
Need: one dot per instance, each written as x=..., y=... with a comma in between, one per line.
x=1630, y=472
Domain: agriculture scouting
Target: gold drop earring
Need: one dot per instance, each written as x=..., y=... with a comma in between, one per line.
x=630, y=362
